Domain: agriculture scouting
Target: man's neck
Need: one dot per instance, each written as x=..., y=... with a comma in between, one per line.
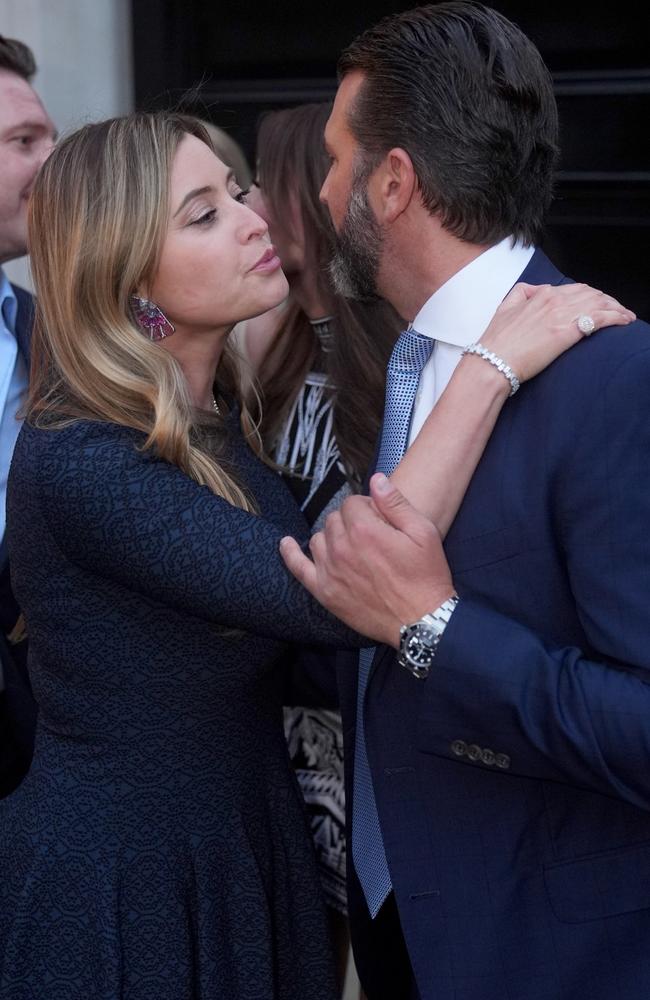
x=419, y=263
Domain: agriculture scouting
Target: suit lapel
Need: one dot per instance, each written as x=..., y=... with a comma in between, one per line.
x=24, y=323
x=24, y=320
x=539, y=271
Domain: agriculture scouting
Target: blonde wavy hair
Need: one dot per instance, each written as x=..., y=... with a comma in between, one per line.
x=98, y=219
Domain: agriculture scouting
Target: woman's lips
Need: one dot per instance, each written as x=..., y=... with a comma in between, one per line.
x=269, y=261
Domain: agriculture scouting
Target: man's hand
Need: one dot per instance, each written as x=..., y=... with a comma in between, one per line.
x=378, y=564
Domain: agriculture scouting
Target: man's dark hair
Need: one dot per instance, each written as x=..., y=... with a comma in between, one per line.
x=467, y=95
x=17, y=58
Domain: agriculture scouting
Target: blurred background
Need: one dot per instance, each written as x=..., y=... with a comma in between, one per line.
x=230, y=62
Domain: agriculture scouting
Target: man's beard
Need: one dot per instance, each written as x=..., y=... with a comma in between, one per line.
x=357, y=248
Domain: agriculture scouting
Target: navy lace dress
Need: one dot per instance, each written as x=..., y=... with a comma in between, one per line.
x=158, y=848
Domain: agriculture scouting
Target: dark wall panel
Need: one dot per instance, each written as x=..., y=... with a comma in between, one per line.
x=241, y=60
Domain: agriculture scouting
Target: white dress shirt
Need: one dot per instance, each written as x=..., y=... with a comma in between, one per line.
x=458, y=314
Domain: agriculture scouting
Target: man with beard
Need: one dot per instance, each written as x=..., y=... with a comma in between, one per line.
x=26, y=138
x=498, y=781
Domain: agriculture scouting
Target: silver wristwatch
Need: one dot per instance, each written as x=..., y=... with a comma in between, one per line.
x=419, y=641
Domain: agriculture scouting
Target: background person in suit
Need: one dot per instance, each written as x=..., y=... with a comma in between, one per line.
x=26, y=138
x=510, y=850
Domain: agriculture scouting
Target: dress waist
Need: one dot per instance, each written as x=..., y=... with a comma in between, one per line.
x=206, y=754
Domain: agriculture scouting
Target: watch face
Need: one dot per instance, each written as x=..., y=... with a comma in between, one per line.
x=420, y=645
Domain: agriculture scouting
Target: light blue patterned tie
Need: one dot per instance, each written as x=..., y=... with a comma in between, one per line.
x=410, y=354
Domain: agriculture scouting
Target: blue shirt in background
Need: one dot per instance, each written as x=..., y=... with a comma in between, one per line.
x=13, y=387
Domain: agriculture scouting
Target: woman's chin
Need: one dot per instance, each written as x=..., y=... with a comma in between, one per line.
x=276, y=292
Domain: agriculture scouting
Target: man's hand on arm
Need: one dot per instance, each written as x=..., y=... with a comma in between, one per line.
x=378, y=564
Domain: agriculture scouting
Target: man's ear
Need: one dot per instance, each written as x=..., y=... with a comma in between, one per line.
x=395, y=184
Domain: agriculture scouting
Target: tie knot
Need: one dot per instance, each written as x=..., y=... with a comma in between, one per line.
x=411, y=352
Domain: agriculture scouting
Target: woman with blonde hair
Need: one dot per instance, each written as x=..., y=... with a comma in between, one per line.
x=157, y=848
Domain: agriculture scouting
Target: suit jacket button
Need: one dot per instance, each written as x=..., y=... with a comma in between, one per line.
x=488, y=756
x=459, y=748
x=474, y=752
x=503, y=761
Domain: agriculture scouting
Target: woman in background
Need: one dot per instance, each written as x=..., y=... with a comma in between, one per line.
x=324, y=354
x=321, y=364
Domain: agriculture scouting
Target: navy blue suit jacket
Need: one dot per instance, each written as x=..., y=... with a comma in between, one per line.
x=17, y=707
x=513, y=785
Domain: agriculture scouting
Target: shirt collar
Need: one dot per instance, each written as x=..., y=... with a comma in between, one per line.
x=461, y=309
x=8, y=304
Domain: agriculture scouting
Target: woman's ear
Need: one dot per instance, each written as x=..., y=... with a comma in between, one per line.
x=395, y=184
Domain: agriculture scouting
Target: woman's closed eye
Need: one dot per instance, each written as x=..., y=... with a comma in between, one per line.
x=209, y=215
x=206, y=218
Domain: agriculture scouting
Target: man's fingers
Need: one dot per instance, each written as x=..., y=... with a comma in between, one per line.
x=394, y=507
x=317, y=546
x=297, y=563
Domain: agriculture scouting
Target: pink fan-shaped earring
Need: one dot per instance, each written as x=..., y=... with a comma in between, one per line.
x=151, y=319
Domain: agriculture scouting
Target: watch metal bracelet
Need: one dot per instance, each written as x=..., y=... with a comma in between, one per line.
x=419, y=640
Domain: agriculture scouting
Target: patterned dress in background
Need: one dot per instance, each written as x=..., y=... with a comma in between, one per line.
x=307, y=448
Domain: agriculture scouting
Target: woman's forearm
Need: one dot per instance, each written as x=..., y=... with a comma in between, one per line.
x=436, y=470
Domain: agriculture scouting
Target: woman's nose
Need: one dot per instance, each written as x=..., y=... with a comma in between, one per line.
x=255, y=225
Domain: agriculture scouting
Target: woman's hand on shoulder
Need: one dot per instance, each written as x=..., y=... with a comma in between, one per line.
x=536, y=323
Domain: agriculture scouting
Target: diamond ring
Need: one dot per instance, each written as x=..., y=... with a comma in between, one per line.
x=586, y=325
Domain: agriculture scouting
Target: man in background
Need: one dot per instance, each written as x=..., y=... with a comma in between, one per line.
x=26, y=138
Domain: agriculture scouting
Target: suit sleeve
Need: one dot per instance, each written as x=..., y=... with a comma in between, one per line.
x=143, y=524
x=553, y=712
